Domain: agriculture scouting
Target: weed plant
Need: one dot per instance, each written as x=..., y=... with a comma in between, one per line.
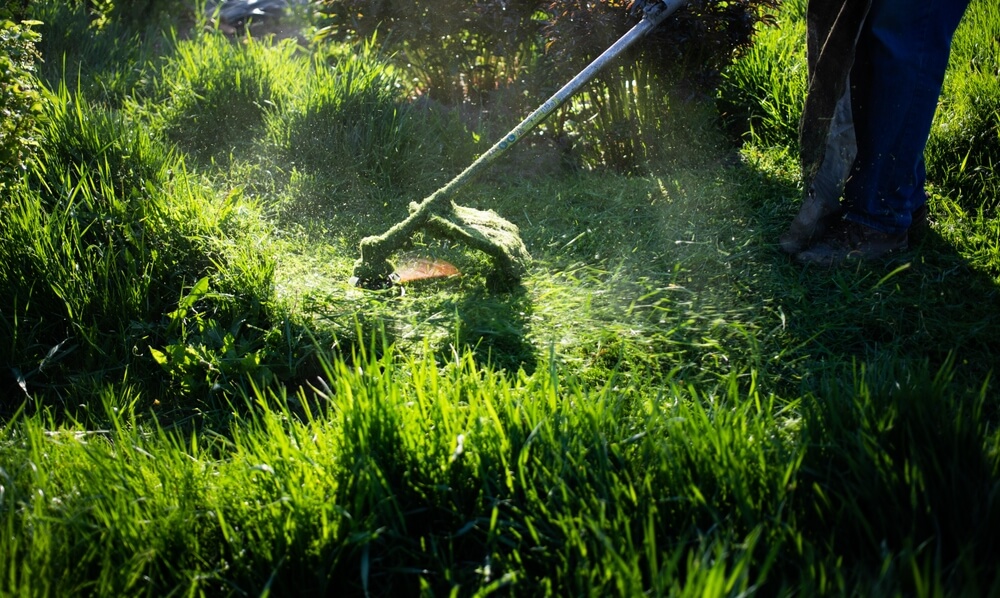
x=635, y=122
x=621, y=116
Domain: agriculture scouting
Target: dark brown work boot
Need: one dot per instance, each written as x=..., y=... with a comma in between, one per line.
x=809, y=224
x=850, y=240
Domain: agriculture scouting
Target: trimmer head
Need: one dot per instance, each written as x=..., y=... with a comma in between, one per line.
x=486, y=231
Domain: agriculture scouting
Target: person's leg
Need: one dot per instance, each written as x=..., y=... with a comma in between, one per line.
x=896, y=81
x=821, y=204
x=826, y=130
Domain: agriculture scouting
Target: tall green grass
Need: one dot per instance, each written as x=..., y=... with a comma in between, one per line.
x=308, y=132
x=909, y=478
x=964, y=146
x=212, y=96
x=399, y=475
x=762, y=92
x=348, y=119
x=98, y=242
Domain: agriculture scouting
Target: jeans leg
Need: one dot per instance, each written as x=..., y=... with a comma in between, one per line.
x=896, y=80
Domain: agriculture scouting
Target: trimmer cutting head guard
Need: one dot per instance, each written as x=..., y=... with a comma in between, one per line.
x=483, y=230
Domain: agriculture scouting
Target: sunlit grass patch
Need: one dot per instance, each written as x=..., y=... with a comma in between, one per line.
x=347, y=119
x=212, y=95
x=98, y=243
x=395, y=472
x=544, y=482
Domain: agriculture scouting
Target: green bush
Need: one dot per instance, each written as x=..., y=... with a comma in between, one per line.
x=14, y=10
x=507, y=57
x=20, y=97
x=133, y=14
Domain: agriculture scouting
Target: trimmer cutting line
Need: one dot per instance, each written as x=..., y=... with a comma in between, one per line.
x=486, y=230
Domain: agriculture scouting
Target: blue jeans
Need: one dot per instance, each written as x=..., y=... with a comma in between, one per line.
x=896, y=80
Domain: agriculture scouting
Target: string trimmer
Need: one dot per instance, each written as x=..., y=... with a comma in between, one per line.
x=486, y=230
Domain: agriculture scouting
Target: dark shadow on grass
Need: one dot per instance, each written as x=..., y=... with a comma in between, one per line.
x=893, y=360
x=493, y=326
x=917, y=307
x=899, y=466
x=923, y=305
x=900, y=429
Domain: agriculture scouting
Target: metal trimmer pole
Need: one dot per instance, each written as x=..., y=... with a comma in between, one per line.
x=373, y=268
